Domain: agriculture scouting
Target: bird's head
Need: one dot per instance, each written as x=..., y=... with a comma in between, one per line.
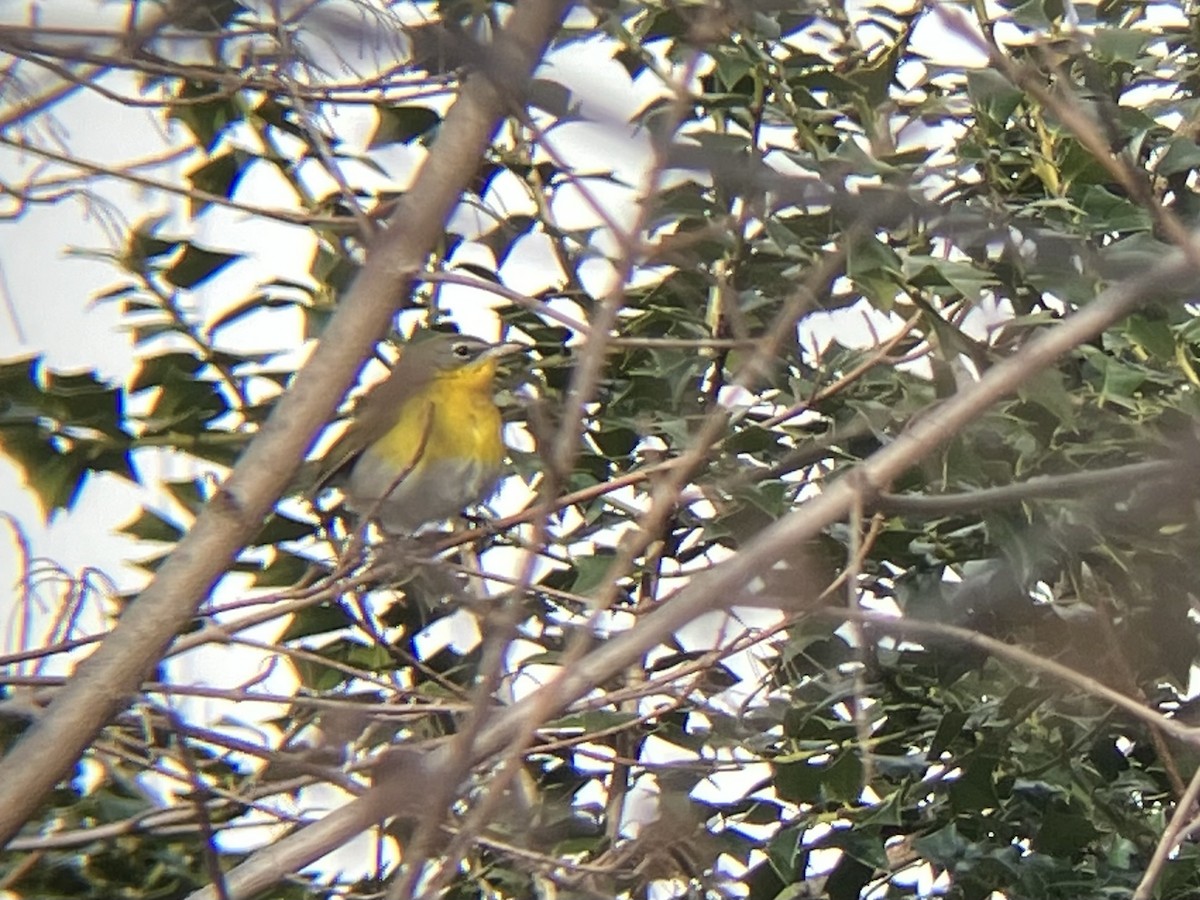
x=454, y=356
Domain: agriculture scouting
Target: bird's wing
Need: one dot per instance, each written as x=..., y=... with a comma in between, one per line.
x=373, y=416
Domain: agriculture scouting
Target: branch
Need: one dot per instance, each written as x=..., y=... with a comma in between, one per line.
x=125, y=174
x=1038, y=488
x=1175, y=831
x=1027, y=658
x=104, y=683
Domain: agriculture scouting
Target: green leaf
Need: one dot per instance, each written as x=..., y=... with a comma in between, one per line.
x=965, y=279
x=847, y=879
x=316, y=620
x=592, y=571
x=144, y=244
x=948, y=730
x=843, y=778
x=993, y=94
x=190, y=494
x=942, y=847
x=1120, y=382
x=976, y=788
x=630, y=60
x=1048, y=389
x=150, y=526
x=197, y=265
x=1119, y=45
x=316, y=676
x=220, y=175
x=1182, y=155
x=876, y=270
x=783, y=851
x=551, y=97
x=281, y=528
x=285, y=570
x=57, y=481
x=163, y=368
x=1110, y=213
x=1063, y=833
x=402, y=124
x=798, y=782
x=207, y=109
x=1152, y=335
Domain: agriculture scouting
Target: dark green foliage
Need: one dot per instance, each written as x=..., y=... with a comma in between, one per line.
x=821, y=169
x=60, y=427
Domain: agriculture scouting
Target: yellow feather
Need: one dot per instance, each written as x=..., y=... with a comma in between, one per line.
x=455, y=418
x=427, y=442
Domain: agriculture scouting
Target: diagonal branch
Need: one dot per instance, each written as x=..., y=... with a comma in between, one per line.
x=1040, y=487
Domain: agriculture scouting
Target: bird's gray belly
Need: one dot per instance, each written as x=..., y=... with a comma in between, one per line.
x=431, y=492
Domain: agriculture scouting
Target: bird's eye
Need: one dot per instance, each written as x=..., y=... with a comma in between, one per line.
x=462, y=351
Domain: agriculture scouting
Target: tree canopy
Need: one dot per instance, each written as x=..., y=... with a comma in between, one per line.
x=849, y=541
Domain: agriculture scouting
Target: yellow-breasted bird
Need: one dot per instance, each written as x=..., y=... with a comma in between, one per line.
x=426, y=442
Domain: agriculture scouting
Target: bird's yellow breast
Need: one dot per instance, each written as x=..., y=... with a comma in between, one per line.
x=454, y=418
x=433, y=444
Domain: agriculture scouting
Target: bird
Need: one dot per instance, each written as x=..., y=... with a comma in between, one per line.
x=427, y=442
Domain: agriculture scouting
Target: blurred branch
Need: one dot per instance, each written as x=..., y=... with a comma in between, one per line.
x=124, y=174
x=1026, y=658
x=1037, y=488
x=1182, y=820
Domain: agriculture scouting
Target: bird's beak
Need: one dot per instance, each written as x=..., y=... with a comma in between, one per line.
x=499, y=351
